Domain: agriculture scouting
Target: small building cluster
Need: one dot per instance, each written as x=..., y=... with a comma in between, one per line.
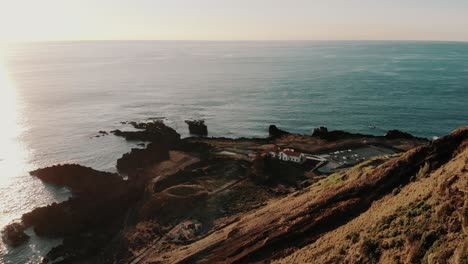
x=288, y=155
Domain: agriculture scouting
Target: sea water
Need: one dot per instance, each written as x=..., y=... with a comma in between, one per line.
x=55, y=97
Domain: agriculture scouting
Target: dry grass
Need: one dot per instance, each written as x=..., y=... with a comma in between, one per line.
x=276, y=212
x=351, y=216
x=422, y=222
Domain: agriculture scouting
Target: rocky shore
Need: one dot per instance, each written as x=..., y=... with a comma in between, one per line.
x=213, y=182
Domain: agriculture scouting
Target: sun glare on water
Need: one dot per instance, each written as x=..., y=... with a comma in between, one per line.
x=12, y=156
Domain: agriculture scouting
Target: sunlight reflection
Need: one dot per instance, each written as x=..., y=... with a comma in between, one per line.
x=12, y=154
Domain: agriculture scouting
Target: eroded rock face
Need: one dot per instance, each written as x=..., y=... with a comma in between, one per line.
x=197, y=127
x=275, y=132
x=13, y=235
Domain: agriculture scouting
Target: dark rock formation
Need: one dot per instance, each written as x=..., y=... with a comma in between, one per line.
x=139, y=159
x=397, y=134
x=275, y=132
x=162, y=137
x=320, y=132
x=13, y=235
x=155, y=131
x=81, y=180
x=324, y=133
x=197, y=127
x=102, y=198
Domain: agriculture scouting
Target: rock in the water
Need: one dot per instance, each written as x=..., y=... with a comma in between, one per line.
x=155, y=131
x=275, y=132
x=13, y=235
x=197, y=127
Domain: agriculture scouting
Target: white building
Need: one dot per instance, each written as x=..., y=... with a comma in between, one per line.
x=288, y=155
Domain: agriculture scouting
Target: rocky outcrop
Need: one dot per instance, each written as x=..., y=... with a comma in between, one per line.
x=155, y=131
x=88, y=221
x=320, y=132
x=397, y=134
x=324, y=133
x=275, y=132
x=139, y=159
x=13, y=235
x=81, y=180
x=100, y=198
x=162, y=139
x=197, y=127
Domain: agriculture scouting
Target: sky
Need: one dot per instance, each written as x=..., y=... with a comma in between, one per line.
x=49, y=20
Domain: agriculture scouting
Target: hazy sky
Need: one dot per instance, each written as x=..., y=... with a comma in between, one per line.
x=233, y=19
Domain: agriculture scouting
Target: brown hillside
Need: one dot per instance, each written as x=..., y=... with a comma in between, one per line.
x=391, y=209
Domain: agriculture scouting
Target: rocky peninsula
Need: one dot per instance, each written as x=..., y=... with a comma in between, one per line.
x=211, y=200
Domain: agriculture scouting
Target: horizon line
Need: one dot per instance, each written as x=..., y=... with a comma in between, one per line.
x=233, y=40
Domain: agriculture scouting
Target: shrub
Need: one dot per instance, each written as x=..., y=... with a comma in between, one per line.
x=371, y=249
x=423, y=171
x=354, y=237
x=428, y=238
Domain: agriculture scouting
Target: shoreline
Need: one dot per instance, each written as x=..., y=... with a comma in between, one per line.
x=165, y=146
x=144, y=133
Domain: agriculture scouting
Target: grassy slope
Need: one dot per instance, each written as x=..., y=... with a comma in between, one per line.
x=353, y=216
x=426, y=220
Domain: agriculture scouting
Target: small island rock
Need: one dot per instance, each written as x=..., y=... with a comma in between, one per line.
x=13, y=235
x=197, y=127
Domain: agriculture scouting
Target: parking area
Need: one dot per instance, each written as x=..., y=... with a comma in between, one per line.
x=340, y=159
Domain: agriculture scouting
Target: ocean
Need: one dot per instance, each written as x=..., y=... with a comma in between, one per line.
x=56, y=96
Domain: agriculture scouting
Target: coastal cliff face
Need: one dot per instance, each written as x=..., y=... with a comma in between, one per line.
x=219, y=200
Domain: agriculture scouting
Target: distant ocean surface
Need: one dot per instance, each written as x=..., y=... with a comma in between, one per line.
x=54, y=97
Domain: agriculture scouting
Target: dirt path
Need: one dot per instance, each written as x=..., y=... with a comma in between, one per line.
x=143, y=255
